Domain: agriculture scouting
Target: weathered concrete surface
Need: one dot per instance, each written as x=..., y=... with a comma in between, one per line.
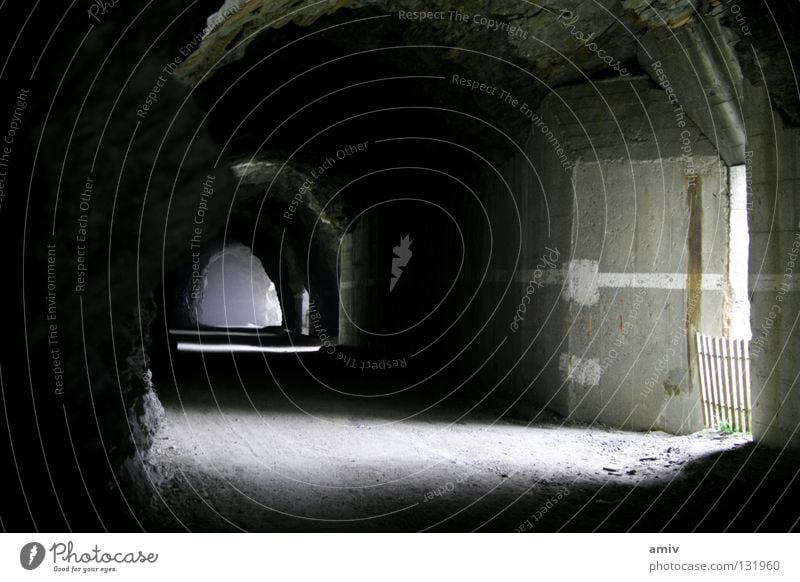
x=773, y=173
x=530, y=241
x=639, y=217
x=699, y=66
x=664, y=273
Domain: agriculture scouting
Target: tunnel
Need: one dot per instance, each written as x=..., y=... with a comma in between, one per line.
x=229, y=288
x=382, y=267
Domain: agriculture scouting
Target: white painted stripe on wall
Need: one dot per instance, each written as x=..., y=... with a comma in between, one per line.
x=710, y=281
x=584, y=280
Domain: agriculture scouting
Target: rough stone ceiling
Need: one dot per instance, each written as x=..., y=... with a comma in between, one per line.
x=543, y=45
x=552, y=45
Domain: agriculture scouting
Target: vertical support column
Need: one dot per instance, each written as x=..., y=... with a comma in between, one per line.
x=774, y=269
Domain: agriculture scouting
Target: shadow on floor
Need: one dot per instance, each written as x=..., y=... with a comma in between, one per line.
x=238, y=453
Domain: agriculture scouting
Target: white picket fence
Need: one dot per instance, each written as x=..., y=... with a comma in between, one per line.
x=724, y=367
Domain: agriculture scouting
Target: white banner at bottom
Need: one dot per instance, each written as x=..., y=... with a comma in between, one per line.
x=398, y=557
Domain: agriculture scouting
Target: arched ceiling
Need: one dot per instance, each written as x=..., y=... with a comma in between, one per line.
x=538, y=42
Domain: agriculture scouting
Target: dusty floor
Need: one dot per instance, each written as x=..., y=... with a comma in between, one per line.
x=251, y=460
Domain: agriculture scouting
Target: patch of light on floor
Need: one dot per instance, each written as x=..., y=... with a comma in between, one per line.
x=315, y=446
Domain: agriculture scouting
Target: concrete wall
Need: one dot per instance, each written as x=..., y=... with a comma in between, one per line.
x=605, y=249
x=530, y=240
x=358, y=282
x=641, y=229
x=773, y=173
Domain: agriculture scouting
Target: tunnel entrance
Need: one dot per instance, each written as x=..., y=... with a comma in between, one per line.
x=232, y=290
x=225, y=302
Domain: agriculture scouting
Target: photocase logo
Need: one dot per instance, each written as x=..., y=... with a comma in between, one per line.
x=31, y=555
x=402, y=256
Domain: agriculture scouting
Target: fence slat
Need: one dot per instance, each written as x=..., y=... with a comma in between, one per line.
x=720, y=380
x=726, y=382
x=724, y=370
x=712, y=361
x=715, y=370
x=731, y=382
x=740, y=379
x=747, y=387
x=701, y=353
x=712, y=377
x=738, y=396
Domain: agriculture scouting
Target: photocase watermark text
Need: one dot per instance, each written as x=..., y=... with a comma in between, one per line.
x=81, y=236
x=325, y=166
x=508, y=98
x=569, y=21
x=195, y=242
x=10, y=137
x=100, y=8
x=53, y=339
x=759, y=341
x=478, y=20
x=537, y=515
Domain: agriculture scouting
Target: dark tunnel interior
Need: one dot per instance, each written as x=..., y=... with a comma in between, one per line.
x=295, y=266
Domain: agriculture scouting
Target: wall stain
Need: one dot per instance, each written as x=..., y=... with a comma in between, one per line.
x=694, y=279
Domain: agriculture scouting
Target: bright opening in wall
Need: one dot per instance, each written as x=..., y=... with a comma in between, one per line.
x=305, y=313
x=236, y=291
x=738, y=255
x=723, y=362
x=228, y=304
